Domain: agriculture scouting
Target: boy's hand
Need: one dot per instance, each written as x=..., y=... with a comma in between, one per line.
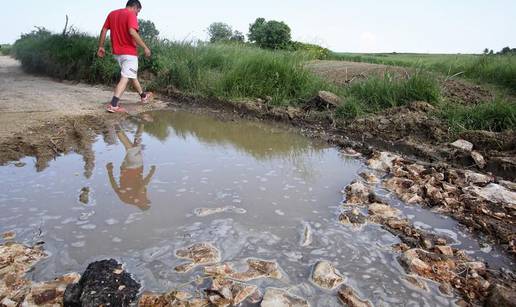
x=148, y=53
x=101, y=52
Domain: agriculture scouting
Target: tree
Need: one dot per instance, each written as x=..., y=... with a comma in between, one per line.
x=219, y=31
x=238, y=37
x=148, y=30
x=486, y=51
x=270, y=34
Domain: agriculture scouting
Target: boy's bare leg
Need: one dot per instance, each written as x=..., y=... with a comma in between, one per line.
x=121, y=86
x=137, y=86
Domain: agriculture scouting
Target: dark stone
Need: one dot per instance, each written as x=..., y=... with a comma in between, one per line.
x=104, y=283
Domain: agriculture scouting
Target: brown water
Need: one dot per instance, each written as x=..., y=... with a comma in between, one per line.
x=147, y=181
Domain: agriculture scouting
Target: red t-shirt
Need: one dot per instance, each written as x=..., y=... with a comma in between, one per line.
x=119, y=22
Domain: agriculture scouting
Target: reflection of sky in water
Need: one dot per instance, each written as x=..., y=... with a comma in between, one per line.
x=279, y=178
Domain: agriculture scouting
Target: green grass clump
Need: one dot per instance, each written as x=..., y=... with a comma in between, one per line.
x=495, y=69
x=377, y=93
x=497, y=115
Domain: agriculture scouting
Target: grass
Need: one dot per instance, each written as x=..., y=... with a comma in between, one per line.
x=5, y=49
x=497, y=115
x=240, y=72
x=495, y=69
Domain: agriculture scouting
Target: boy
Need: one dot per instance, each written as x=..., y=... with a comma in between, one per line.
x=123, y=24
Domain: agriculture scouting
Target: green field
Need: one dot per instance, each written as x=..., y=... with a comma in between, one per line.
x=495, y=69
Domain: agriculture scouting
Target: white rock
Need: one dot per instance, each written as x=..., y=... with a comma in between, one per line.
x=325, y=275
x=462, y=144
x=275, y=297
x=479, y=159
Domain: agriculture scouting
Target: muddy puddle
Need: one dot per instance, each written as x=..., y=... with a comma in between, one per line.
x=172, y=179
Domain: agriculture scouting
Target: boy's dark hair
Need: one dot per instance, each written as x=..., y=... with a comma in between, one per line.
x=136, y=3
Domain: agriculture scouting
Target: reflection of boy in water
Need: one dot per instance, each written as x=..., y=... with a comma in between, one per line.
x=133, y=187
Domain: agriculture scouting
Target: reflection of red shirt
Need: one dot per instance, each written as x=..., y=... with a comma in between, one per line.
x=119, y=22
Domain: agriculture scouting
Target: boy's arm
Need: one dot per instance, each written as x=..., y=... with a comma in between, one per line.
x=149, y=176
x=112, y=180
x=137, y=38
x=101, y=52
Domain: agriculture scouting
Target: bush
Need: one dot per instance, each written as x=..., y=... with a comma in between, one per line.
x=313, y=51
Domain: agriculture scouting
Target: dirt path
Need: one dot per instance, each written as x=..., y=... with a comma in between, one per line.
x=31, y=101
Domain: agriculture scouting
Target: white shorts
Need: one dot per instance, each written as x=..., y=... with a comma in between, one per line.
x=129, y=65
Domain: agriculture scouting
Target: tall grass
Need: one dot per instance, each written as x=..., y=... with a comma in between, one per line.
x=497, y=115
x=225, y=71
x=495, y=69
x=379, y=93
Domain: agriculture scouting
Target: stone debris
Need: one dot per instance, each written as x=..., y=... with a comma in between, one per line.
x=50, y=293
x=415, y=281
x=382, y=161
x=479, y=159
x=16, y=260
x=494, y=193
x=202, y=212
x=369, y=177
x=257, y=268
x=350, y=152
x=101, y=286
x=501, y=296
x=357, y=193
x=275, y=297
x=351, y=299
x=226, y=292
x=306, y=235
x=383, y=211
x=325, y=275
x=198, y=254
x=171, y=299
x=9, y=235
x=352, y=217
x=462, y=144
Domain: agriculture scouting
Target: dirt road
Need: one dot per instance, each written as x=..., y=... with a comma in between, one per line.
x=29, y=101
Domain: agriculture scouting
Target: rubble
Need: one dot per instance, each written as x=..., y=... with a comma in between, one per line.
x=199, y=254
x=353, y=217
x=325, y=275
x=351, y=299
x=357, y=193
x=479, y=159
x=275, y=297
x=257, y=268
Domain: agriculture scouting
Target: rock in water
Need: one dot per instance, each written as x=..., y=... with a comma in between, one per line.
x=349, y=297
x=357, y=193
x=104, y=283
x=306, y=236
x=199, y=253
x=325, y=275
x=274, y=297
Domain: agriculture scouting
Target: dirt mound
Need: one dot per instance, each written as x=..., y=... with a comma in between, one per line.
x=462, y=92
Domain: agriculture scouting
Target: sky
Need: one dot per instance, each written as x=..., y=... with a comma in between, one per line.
x=423, y=26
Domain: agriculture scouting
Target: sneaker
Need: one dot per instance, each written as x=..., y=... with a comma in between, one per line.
x=146, y=97
x=118, y=109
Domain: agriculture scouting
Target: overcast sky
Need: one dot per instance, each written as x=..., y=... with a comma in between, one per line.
x=427, y=26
